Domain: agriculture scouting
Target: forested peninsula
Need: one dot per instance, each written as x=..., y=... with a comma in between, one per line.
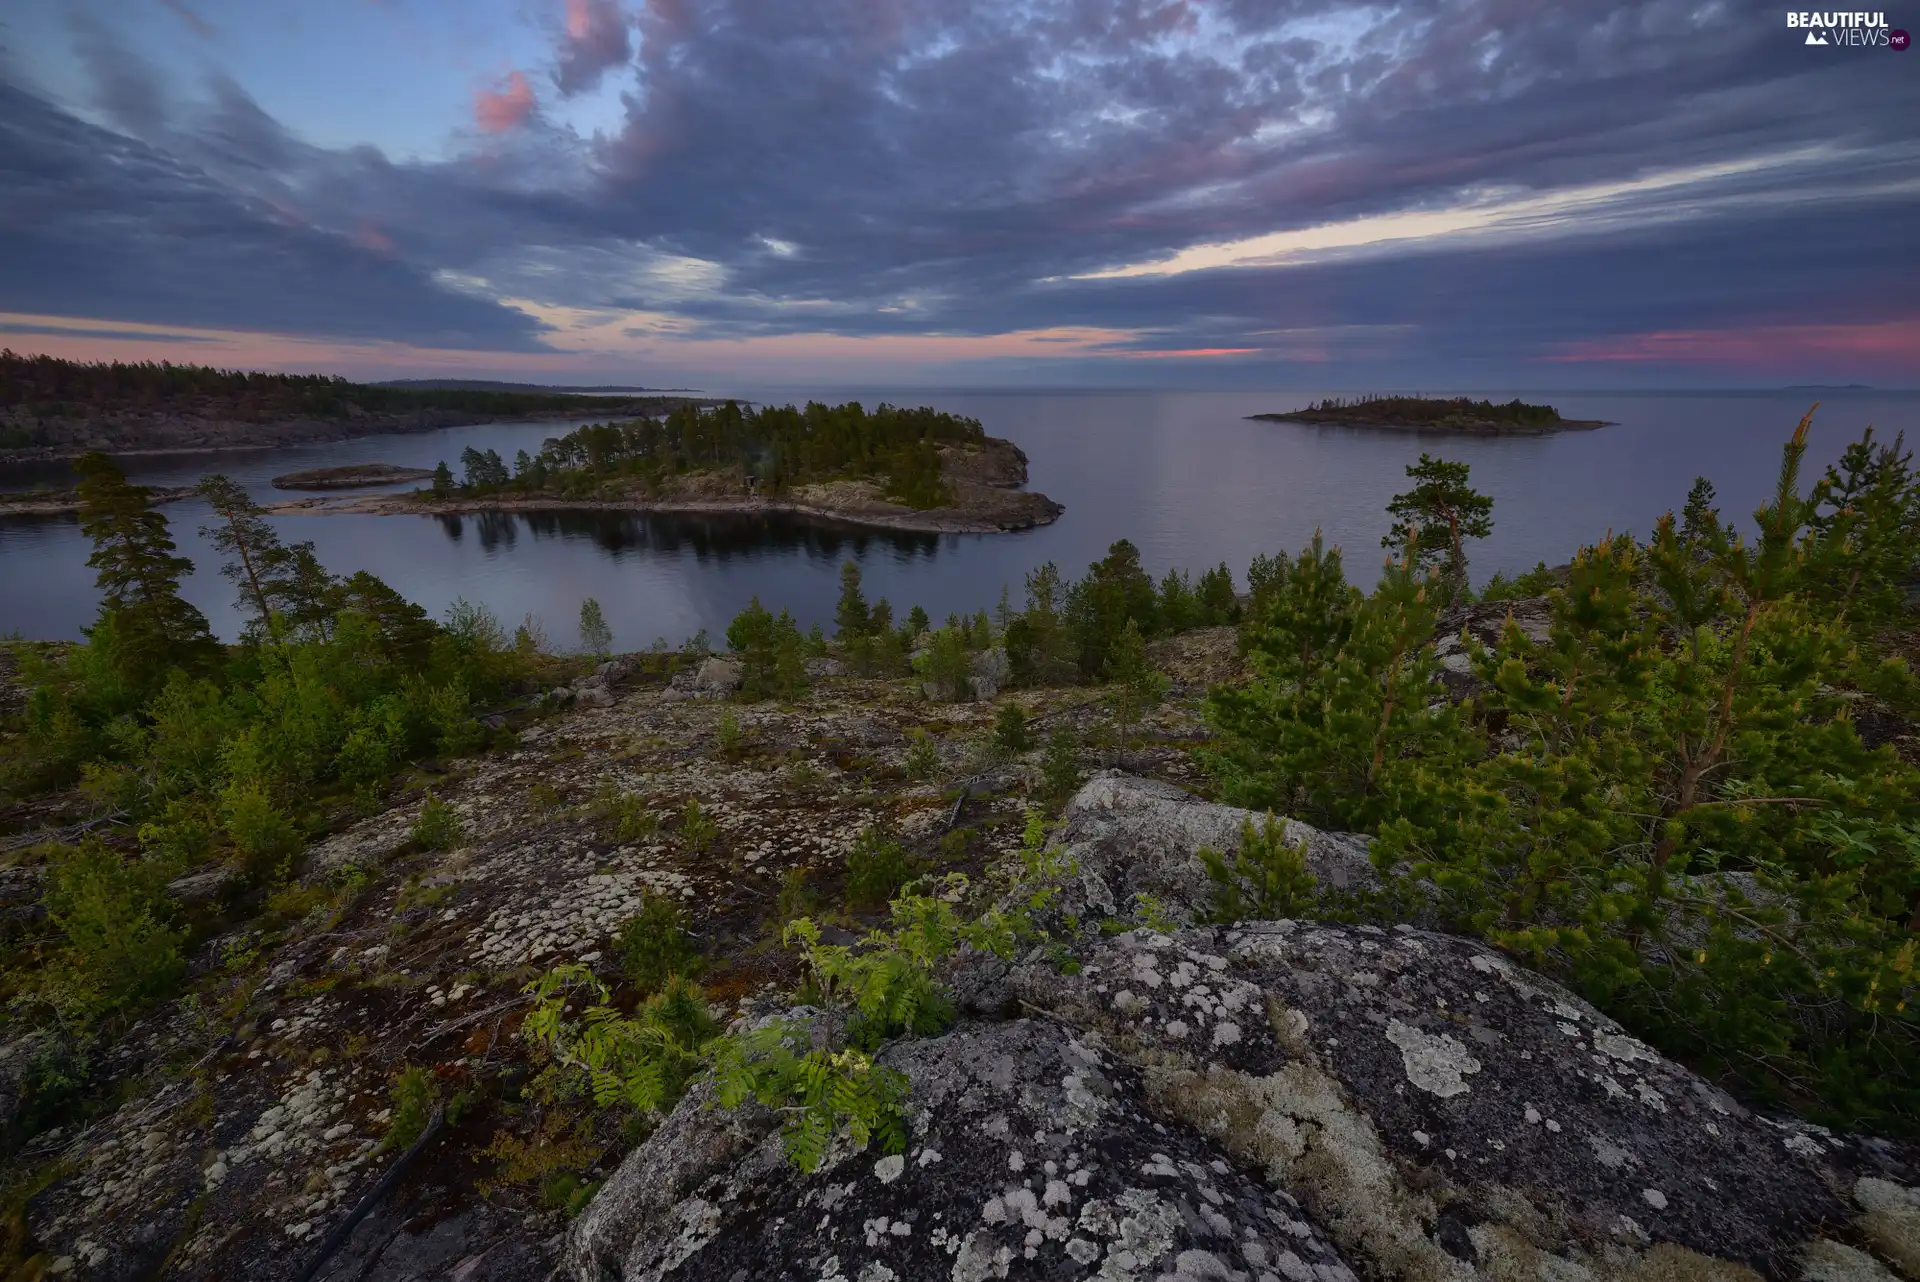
x=1454, y=414
x=892, y=468
x=52, y=408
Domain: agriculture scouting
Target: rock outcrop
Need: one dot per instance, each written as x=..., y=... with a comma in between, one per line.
x=1304, y=1101
x=1130, y=837
x=1030, y=1154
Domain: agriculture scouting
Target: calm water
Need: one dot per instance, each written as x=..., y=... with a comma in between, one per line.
x=1182, y=474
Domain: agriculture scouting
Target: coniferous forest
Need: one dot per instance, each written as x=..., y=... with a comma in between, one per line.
x=773, y=448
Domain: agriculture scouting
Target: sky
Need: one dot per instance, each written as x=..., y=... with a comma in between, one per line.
x=1235, y=193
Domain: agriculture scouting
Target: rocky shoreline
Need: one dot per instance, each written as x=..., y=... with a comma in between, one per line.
x=351, y=476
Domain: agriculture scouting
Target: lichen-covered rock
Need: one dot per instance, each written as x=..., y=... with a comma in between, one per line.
x=1130, y=836
x=1030, y=1156
x=718, y=676
x=1484, y=622
x=1444, y=1112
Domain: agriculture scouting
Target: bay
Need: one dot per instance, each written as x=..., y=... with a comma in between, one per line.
x=1183, y=474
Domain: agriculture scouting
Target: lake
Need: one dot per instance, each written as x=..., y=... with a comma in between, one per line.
x=1184, y=475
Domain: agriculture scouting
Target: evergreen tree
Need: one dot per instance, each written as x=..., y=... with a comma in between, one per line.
x=1341, y=705
x=149, y=628
x=246, y=538
x=1177, y=609
x=442, y=480
x=1433, y=521
x=1115, y=592
x=1214, y=600
x=1040, y=646
x=852, y=617
x=1135, y=684
x=596, y=637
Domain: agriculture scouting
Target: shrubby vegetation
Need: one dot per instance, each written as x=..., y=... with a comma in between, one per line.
x=212, y=753
x=1667, y=802
x=771, y=448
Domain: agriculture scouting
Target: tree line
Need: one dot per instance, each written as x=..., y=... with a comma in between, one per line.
x=51, y=387
x=772, y=448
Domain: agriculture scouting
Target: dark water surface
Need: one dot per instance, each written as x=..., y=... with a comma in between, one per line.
x=1182, y=474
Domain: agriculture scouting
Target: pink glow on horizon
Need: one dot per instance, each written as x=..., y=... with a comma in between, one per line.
x=1895, y=344
x=498, y=110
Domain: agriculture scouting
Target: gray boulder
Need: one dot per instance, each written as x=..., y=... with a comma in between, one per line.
x=1446, y=1114
x=717, y=676
x=1131, y=836
x=597, y=696
x=1029, y=1155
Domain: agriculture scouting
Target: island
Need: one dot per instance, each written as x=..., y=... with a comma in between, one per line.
x=1423, y=414
x=66, y=502
x=911, y=470
x=351, y=476
x=60, y=409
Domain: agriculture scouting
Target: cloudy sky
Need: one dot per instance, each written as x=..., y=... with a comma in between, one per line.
x=1450, y=193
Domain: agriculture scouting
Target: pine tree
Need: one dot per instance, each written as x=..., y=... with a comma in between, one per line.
x=596, y=637
x=1433, y=520
x=851, y=616
x=150, y=627
x=442, y=480
x=1135, y=684
x=1214, y=599
x=246, y=538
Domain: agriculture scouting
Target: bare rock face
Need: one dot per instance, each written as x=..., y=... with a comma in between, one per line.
x=1030, y=1156
x=1131, y=836
x=1446, y=1114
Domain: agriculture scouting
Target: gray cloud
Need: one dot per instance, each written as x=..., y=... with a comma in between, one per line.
x=909, y=166
x=595, y=41
x=106, y=226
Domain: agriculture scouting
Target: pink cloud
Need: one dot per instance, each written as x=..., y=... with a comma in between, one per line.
x=501, y=109
x=1895, y=342
x=369, y=236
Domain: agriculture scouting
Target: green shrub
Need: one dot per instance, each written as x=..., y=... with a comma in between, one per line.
x=654, y=945
x=697, y=827
x=1535, y=582
x=1265, y=880
x=413, y=1097
x=730, y=738
x=1060, y=768
x=1010, y=728
x=265, y=838
x=641, y=1062
x=772, y=653
x=923, y=758
x=118, y=951
x=946, y=666
x=438, y=826
x=877, y=867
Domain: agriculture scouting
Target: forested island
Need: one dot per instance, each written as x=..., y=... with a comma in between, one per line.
x=1455, y=414
x=895, y=468
x=53, y=408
